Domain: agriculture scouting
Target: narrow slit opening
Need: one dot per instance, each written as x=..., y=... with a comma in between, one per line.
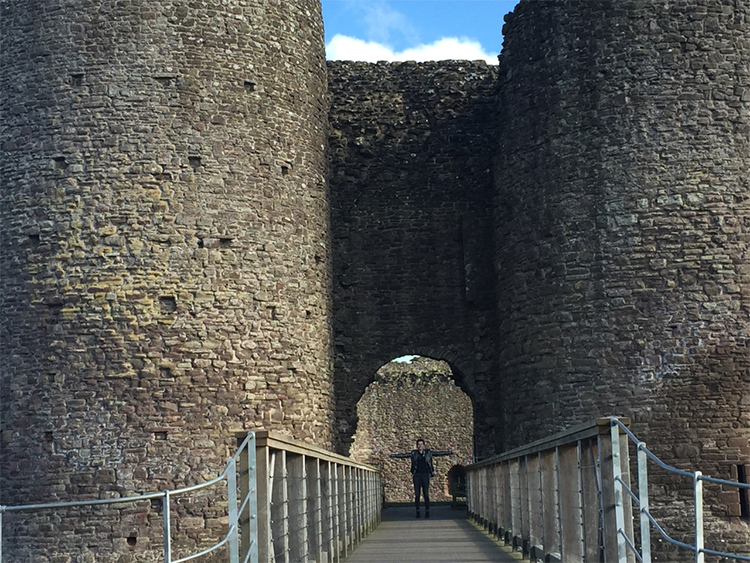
x=744, y=496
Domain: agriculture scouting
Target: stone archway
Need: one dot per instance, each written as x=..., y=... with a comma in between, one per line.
x=406, y=401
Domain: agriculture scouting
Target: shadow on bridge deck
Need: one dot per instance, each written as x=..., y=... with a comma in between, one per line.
x=446, y=536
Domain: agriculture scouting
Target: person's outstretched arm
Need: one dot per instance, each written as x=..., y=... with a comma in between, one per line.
x=402, y=456
x=442, y=452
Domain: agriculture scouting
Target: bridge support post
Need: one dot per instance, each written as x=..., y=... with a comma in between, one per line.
x=263, y=464
x=551, y=522
x=616, y=505
x=314, y=509
x=233, y=516
x=590, y=487
x=248, y=517
x=571, y=521
x=297, y=511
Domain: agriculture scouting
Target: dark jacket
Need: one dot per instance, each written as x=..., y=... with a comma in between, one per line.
x=428, y=455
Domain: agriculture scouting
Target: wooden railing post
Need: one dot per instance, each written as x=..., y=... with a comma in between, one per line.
x=551, y=532
x=571, y=523
x=553, y=499
x=297, y=508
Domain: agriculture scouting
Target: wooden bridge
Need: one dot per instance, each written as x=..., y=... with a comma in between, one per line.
x=566, y=498
x=447, y=536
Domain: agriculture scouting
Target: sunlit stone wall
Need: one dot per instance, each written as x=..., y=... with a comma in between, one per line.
x=408, y=401
x=165, y=260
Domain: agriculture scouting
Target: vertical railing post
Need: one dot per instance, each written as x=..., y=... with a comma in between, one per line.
x=537, y=540
x=617, y=484
x=643, y=501
x=284, y=474
x=570, y=505
x=2, y=510
x=336, y=514
x=550, y=531
x=373, y=500
x=590, y=497
x=351, y=509
x=515, y=496
x=698, y=490
x=250, y=520
x=558, y=503
x=357, y=504
x=341, y=484
x=523, y=482
x=167, y=529
x=296, y=514
x=332, y=511
x=486, y=502
x=317, y=515
x=370, y=483
x=264, y=468
x=234, y=536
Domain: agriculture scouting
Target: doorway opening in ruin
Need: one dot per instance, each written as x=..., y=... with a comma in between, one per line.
x=414, y=397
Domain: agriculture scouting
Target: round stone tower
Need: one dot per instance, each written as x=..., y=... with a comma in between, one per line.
x=622, y=220
x=164, y=266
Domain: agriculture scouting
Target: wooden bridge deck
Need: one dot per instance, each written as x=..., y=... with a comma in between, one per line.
x=446, y=536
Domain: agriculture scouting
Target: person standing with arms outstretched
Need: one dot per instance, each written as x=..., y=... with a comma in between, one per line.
x=422, y=470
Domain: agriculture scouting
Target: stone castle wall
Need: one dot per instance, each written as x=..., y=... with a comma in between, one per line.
x=621, y=223
x=568, y=232
x=166, y=258
x=408, y=401
x=411, y=197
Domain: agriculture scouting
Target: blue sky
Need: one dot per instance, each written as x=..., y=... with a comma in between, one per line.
x=373, y=30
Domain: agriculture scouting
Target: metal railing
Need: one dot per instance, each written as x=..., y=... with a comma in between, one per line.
x=242, y=464
x=288, y=502
x=626, y=547
x=568, y=497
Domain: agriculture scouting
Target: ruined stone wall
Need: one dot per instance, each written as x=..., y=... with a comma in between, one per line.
x=165, y=264
x=411, y=194
x=622, y=228
x=408, y=401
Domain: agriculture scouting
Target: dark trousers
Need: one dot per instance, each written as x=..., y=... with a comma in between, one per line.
x=422, y=483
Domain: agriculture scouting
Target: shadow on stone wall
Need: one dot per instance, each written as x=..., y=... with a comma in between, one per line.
x=406, y=401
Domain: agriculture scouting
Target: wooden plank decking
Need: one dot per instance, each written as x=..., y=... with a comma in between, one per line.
x=446, y=536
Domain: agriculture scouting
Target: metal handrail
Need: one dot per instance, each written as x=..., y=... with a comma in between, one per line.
x=229, y=472
x=336, y=502
x=648, y=514
x=697, y=477
x=147, y=496
x=506, y=489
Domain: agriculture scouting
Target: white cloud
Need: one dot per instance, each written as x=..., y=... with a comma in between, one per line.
x=381, y=20
x=405, y=359
x=344, y=48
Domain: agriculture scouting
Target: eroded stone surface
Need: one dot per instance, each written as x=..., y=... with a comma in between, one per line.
x=408, y=401
x=567, y=231
x=165, y=258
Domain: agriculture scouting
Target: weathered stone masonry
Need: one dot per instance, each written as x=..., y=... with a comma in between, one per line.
x=622, y=227
x=166, y=257
x=411, y=200
x=408, y=401
x=566, y=230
